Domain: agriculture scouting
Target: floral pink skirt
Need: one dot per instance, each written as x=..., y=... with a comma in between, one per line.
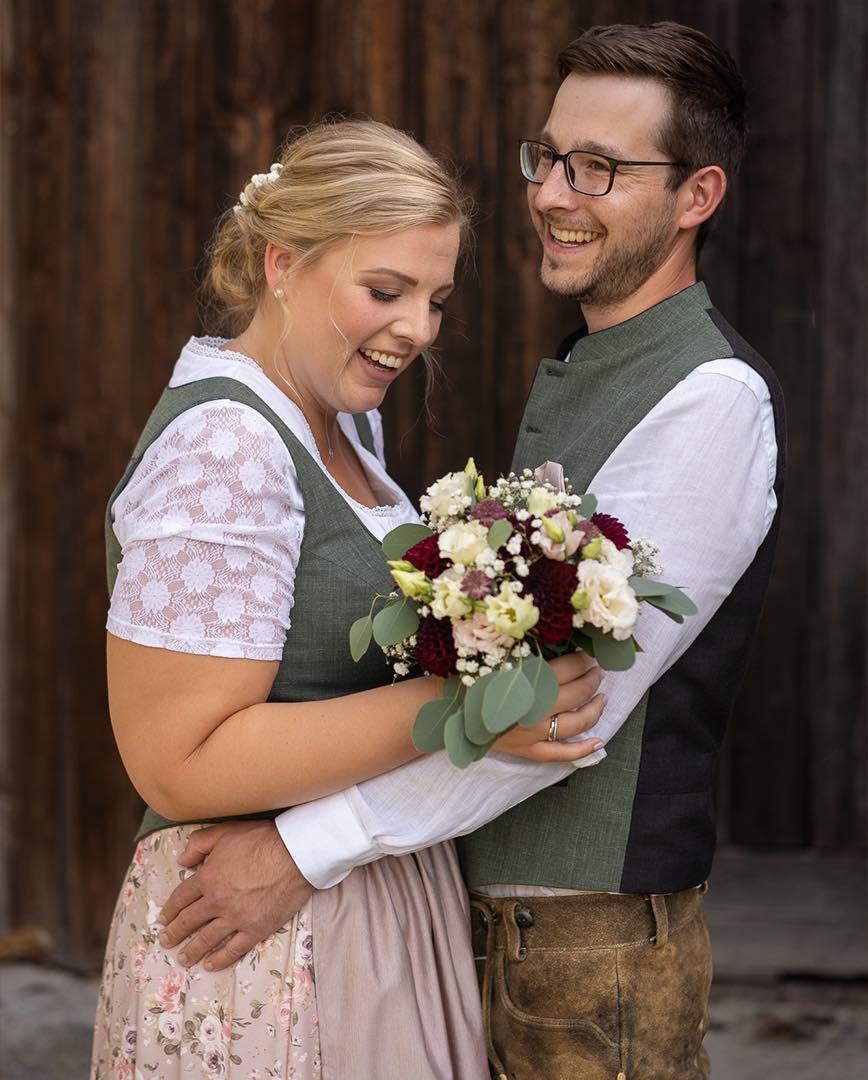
x=257, y=1020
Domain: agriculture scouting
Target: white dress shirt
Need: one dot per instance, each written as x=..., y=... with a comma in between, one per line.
x=696, y=477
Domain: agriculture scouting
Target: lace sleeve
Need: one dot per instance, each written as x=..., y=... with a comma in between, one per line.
x=210, y=526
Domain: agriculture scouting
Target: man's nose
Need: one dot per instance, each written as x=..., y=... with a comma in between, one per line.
x=554, y=193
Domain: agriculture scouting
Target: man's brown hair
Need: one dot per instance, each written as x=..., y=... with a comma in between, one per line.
x=706, y=123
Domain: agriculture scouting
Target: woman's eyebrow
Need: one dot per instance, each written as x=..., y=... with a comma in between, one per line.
x=412, y=282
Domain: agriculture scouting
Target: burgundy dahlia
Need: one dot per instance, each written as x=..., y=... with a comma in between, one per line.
x=425, y=556
x=487, y=511
x=435, y=648
x=612, y=529
x=552, y=584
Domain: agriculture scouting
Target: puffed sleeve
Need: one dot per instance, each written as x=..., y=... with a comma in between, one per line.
x=210, y=526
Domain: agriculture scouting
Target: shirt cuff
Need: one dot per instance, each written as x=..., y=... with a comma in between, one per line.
x=326, y=839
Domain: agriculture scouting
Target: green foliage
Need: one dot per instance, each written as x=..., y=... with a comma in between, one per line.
x=397, y=543
x=394, y=622
x=360, y=637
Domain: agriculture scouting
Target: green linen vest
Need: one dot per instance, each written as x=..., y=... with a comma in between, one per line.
x=340, y=568
x=601, y=829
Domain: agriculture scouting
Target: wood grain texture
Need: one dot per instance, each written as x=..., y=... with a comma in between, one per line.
x=129, y=126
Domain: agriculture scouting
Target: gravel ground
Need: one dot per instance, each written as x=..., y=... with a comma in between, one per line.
x=790, y=999
x=787, y=1031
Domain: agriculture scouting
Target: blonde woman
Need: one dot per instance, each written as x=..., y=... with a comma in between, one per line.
x=243, y=540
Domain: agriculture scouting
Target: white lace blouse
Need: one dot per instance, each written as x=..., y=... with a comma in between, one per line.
x=211, y=522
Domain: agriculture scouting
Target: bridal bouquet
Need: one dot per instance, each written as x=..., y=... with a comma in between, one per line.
x=496, y=581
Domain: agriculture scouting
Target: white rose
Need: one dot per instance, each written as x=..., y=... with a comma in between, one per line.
x=448, y=601
x=446, y=496
x=170, y=1026
x=477, y=634
x=620, y=560
x=463, y=542
x=611, y=603
x=211, y=1030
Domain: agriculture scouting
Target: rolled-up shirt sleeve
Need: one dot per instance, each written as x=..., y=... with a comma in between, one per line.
x=696, y=478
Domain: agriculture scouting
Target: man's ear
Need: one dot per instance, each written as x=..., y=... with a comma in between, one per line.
x=700, y=195
x=278, y=262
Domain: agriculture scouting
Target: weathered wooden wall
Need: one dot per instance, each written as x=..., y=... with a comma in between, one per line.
x=128, y=125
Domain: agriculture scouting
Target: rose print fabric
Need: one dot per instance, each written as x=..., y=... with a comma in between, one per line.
x=158, y=1021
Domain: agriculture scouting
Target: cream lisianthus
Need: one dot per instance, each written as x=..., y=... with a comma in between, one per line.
x=510, y=612
x=447, y=600
x=461, y=543
x=620, y=559
x=448, y=496
x=607, y=600
x=540, y=500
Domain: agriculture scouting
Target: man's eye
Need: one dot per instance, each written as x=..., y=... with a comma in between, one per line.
x=383, y=297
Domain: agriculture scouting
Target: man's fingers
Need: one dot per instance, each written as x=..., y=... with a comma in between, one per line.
x=199, y=844
x=211, y=936
x=187, y=919
x=231, y=952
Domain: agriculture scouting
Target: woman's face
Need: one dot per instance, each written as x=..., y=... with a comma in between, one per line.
x=363, y=313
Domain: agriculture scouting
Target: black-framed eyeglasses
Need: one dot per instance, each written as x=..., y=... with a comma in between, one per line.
x=586, y=173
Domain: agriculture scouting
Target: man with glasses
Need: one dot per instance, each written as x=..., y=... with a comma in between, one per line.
x=587, y=894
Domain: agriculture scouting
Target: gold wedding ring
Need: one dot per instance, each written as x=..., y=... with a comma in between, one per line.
x=553, y=729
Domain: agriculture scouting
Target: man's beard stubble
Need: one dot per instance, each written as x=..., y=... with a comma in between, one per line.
x=620, y=272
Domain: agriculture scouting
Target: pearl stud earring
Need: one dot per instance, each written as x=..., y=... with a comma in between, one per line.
x=279, y=294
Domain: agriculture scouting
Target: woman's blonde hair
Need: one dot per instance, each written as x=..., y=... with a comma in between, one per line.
x=334, y=181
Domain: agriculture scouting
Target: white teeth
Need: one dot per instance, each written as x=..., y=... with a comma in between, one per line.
x=384, y=359
x=573, y=236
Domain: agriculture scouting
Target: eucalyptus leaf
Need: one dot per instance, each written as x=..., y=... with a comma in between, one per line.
x=360, y=637
x=675, y=602
x=460, y=749
x=588, y=505
x=545, y=687
x=398, y=542
x=673, y=615
x=499, y=533
x=610, y=654
x=395, y=622
x=644, y=587
x=476, y=730
x=429, y=725
x=507, y=698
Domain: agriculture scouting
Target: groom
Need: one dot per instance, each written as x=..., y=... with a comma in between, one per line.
x=587, y=920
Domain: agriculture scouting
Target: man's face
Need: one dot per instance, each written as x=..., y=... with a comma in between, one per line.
x=628, y=233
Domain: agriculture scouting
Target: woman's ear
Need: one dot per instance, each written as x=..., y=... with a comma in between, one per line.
x=278, y=262
x=700, y=195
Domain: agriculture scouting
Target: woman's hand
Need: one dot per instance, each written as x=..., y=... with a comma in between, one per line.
x=577, y=708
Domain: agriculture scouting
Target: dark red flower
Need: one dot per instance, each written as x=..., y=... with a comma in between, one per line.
x=435, y=648
x=425, y=556
x=487, y=511
x=552, y=583
x=612, y=529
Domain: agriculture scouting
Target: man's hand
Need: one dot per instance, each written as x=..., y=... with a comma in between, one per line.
x=247, y=888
